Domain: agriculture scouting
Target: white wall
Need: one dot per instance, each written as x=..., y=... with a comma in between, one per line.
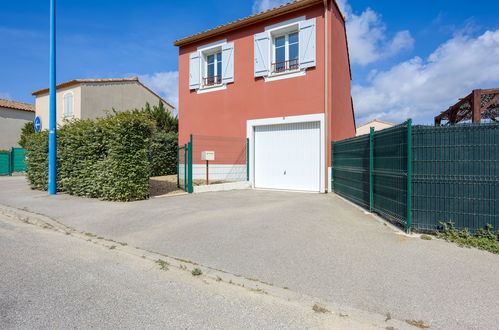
x=42, y=106
x=11, y=123
x=378, y=126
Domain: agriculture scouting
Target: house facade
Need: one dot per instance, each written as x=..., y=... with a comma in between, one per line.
x=13, y=116
x=280, y=78
x=91, y=98
x=377, y=124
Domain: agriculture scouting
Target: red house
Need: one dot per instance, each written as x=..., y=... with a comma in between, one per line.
x=280, y=78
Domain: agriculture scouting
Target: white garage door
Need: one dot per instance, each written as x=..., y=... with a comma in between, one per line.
x=287, y=156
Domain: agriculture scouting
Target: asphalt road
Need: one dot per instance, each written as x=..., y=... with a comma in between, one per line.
x=49, y=280
x=318, y=245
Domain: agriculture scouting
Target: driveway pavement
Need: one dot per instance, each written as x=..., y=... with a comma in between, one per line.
x=315, y=244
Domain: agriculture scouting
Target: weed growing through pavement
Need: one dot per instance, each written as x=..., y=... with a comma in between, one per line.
x=112, y=247
x=319, y=309
x=197, y=272
x=426, y=237
x=163, y=265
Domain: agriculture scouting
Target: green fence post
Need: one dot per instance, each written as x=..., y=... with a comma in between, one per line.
x=247, y=160
x=371, y=169
x=409, y=176
x=178, y=167
x=189, y=167
x=185, y=167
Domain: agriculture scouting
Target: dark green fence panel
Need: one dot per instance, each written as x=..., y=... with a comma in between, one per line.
x=5, y=163
x=18, y=160
x=350, y=177
x=456, y=176
x=390, y=173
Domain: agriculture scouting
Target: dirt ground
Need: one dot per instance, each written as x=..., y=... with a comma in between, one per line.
x=164, y=185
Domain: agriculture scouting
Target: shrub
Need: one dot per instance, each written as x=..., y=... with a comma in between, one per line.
x=26, y=131
x=485, y=238
x=105, y=158
x=163, y=153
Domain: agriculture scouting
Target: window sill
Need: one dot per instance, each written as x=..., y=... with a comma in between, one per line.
x=213, y=88
x=285, y=75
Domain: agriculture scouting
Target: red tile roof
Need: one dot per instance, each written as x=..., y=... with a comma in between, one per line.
x=17, y=105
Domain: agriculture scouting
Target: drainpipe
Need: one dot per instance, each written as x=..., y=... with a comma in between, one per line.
x=326, y=85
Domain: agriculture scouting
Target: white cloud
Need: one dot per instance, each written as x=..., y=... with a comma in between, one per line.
x=6, y=96
x=163, y=83
x=420, y=88
x=262, y=5
x=367, y=37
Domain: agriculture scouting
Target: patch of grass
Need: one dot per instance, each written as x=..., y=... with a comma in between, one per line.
x=90, y=235
x=219, y=279
x=485, y=238
x=426, y=237
x=286, y=288
x=196, y=272
x=391, y=328
x=319, y=309
x=418, y=324
x=112, y=247
x=123, y=243
x=163, y=265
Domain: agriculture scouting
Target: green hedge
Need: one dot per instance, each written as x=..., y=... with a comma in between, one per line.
x=163, y=153
x=105, y=158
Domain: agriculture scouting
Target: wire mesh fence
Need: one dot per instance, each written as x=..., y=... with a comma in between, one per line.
x=371, y=170
x=456, y=176
x=217, y=159
x=421, y=176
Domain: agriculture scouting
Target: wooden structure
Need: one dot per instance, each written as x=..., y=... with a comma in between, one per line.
x=479, y=104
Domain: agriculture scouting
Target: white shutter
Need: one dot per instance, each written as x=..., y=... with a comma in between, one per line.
x=262, y=44
x=228, y=63
x=194, y=74
x=307, y=43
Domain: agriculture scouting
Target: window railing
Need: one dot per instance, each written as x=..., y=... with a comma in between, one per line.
x=213, y=80
x=285, y=66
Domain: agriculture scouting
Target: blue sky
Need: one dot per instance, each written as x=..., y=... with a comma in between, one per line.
x=412, y=59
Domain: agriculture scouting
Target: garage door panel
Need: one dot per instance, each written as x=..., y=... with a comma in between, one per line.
x=288, y=156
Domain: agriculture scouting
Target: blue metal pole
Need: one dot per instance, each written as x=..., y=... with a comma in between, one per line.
x=52, y=188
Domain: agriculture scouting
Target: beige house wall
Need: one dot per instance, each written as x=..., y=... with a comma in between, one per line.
x=378, y=126
x=42, y=106
x=92, y=100
x=121, y=96
x=11, y=123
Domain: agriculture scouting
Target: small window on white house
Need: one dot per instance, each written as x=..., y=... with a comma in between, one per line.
x=68, y=104
x=285, y=54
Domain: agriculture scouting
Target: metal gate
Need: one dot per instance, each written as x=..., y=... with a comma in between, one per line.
x=184, y=167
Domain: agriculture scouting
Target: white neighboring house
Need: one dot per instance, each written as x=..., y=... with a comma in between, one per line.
x=13, y=116
x=377, y=124
x=90, y=98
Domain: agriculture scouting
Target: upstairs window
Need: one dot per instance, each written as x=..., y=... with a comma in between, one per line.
x=68, y=104
x=285, y=53
x=213, y=69
x=285, y=49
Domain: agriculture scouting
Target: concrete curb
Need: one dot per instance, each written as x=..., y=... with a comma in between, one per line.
x=351, y=317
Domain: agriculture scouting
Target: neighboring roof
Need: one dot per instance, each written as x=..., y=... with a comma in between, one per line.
x=91, y=81
x=17, y=105
x=377, y=121
x=277, y=11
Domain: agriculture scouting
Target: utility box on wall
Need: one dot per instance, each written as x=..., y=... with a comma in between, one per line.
x=207, y=155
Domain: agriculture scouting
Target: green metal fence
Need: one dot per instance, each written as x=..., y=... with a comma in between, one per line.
x=13, y=161
x=456, y=176
x=420, y=176
x=184, y=167
x=371, y=170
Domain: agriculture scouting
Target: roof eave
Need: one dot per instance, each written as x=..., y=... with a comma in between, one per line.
x=278, y=11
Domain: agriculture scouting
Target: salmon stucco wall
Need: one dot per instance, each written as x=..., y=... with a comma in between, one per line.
x=225, y=112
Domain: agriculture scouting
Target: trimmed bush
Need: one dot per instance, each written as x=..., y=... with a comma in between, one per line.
x=163, y=153
x=106, y=158
x=26, y=131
